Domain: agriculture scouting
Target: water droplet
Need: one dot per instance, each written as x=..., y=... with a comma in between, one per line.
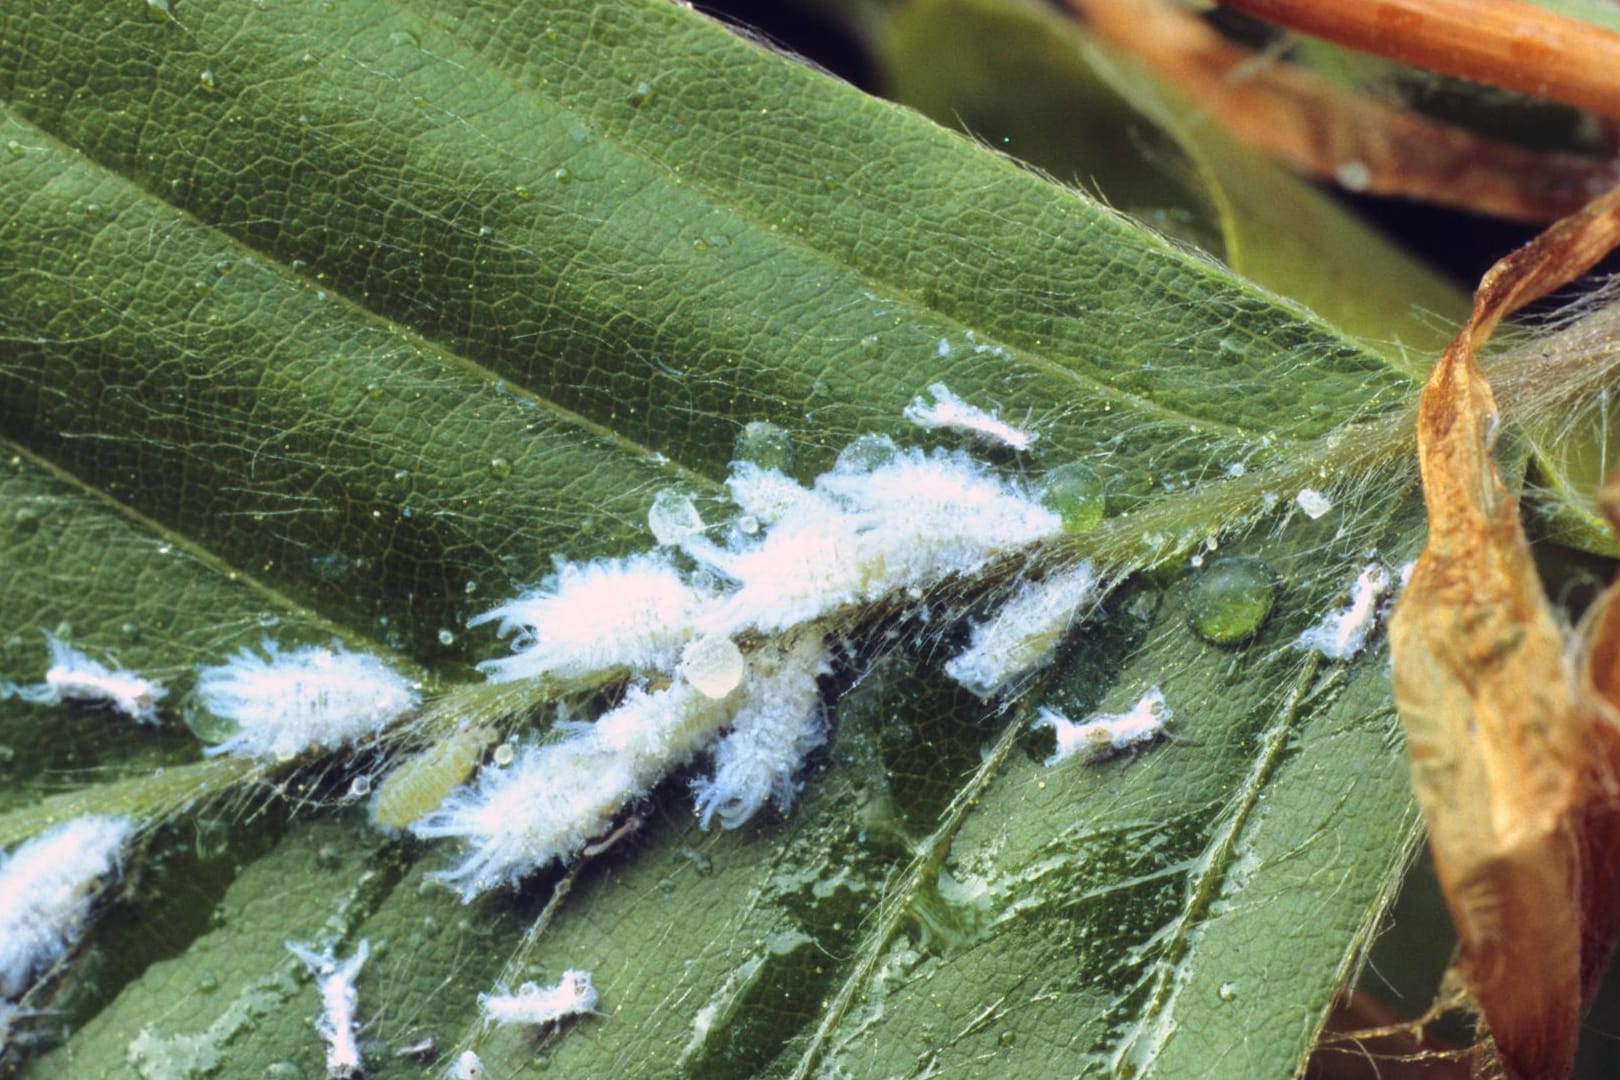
x=446, y=637
x=523, y=192
x=159, y=11
x=713, y=665
x=673, y=517
x=764, y=444
x=329, y=857
x=360, y=786
x=283, y=1070
x=470, y=588
x=503, y=755
x=1230, y=600
x=27, y=519
x=1353, y=175
x=404, y=37
x=643, y=94
x=500, y=467
x=1075, y=493
x=867, y=453
x=207, y=983
x=206, y=82
x=562, y=174
x=1227, y=991
x=748, y=524
x=14, y=148
x=869, y=344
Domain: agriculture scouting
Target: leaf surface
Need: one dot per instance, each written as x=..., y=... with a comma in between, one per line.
x=345, y=322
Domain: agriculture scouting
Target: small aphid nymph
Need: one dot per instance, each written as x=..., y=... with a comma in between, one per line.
x=865, y=532
x=553, y=800
x=953, y=414
x=467, y=1066
x=1343, y=633
x=1102, y=735
x=535, y=1004
x=46, y=888
x=633, y=613
x=285, y=703
x=779, y=722
x=73, y=676
x=340, y=1000
x=1024, y=634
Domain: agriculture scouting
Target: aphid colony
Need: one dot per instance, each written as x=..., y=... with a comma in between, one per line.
x=797, y=563
x=724, y=640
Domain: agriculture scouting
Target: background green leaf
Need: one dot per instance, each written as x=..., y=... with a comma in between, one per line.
x=344, y=320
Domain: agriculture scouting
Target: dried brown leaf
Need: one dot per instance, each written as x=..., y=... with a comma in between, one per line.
x=1511, y=737
x=1325, y=131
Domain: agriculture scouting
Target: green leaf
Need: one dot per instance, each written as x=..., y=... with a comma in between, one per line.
x=1041, y=88
x=344, y=322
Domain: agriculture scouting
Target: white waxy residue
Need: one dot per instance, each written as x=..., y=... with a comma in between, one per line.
x=1312, y=503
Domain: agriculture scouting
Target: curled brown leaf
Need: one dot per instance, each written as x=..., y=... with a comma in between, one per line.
x=1509, y=718
x=1331, y=133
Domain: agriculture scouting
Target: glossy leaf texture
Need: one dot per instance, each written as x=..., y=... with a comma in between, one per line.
x=345, y=319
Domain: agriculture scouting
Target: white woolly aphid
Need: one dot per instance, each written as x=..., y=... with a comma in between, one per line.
x=779, y=721
x=1024, y=634
x=340, y=1000
x=953, y=414
x=554, y=799
x=73, y=676
x=1101, y=734
x=1343, y=633
x=591, y=617
x=535, y=1004
x=861, y=534
x=284, y=703
x=467, y=1066
x=46, y=887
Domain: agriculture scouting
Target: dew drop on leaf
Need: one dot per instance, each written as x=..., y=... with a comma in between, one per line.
x=766, y=445
x=673, y=517
x=1075, y=493
x=867, y=453
x=713, y=665
x=1229, y=601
